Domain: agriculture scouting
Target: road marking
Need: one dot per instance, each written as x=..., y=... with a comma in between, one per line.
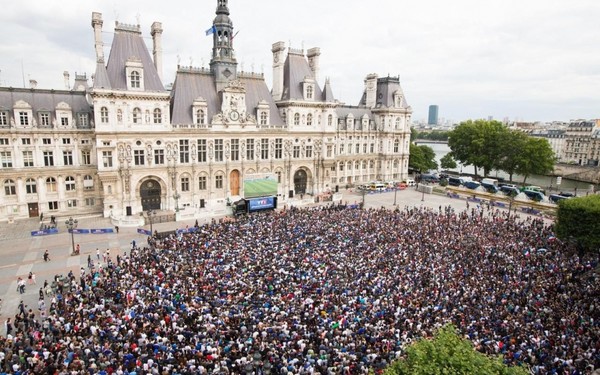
x=9, y=265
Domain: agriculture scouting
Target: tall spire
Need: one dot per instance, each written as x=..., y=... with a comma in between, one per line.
x=223, y=63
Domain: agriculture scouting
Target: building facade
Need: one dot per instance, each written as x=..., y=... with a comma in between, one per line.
x=125, y=144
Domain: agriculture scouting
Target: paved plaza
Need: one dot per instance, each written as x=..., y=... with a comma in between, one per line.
x=20, y=253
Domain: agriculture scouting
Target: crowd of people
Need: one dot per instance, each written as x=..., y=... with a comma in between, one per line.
x=327, y=290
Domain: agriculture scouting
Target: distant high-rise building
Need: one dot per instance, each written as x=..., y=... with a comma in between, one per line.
x=433, y=115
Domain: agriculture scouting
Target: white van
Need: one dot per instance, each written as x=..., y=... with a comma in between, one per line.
x=410, y=182
x=490, y=181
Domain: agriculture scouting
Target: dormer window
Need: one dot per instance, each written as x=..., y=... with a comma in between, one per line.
x=309, y=92
x=263, y=113
x=200, y=111
x=200, y=117
x=24, y=118
x=134, y=70
x=135, y=80
x=3, y=118
x=263, y=118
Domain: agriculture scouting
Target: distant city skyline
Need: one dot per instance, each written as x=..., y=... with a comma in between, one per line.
x=527, y=61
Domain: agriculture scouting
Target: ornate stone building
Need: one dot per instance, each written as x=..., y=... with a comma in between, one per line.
x=126, y=144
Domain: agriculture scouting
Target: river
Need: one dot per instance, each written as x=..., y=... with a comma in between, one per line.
x=546, y=182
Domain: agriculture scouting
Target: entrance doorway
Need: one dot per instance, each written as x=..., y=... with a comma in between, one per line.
x=150, y=192
x=34, y=210
x=300, y=179
x=234, y=182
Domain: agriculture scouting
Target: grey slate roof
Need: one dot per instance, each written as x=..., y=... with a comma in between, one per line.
x=357, y=112
x=295, y=70
x=192, y=84
x=129, y=44
x=101, y=80
x=386, y=87
x=44, y=100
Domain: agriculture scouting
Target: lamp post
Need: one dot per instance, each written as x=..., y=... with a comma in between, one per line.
x=422, y=192
x=151, y=214
x=363, y=192
x=176, y=196
x=72, y=224
x=395, y=193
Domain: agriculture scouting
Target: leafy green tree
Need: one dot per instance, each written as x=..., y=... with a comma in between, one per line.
x=413, y=134
x=477, y=143
x=512, y=153
x=538, y=158
x=422, y=158
x=578, y=220
x=447, y=353
x=448, y=162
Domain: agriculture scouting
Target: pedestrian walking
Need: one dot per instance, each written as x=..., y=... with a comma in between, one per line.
x=46, y=256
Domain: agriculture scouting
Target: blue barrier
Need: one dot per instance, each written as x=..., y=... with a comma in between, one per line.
x=186, y=230
x=144, y=231
x=79, y=231
x=102, y=231
x=45, y=232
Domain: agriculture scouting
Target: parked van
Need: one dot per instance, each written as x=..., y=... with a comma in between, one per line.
x=489, y=181
x=471, y=185
x=378, y=186
x=534, y=195
x=429, y=178
x=511, y=191
x=454, y=181
x=490, y=188
x=533, y=188
x=464, y=179
x=555, y=198
x=410, y=182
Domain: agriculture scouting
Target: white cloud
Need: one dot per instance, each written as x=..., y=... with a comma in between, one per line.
x=535, y=59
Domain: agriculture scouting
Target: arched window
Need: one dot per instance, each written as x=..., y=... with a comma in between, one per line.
x=30, y=186
x=137, y=115
x=10, y=188
x=329, y=120
x=397, y=123
x=104, y=115
x=51, y=185
x=296, y=119
x=70, y=183
x=263, y=118
x=396, y=146
x=200, y=117
x=135, y=80
x=309, y=119
x=157, y=116
x=309, y=92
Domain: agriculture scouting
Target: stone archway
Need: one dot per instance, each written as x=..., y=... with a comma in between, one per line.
x=300, y=181
x=150, y=192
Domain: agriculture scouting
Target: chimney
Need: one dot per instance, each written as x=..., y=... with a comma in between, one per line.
x=97, y=25
x=278, y=64
x=66, y=75
x=371, y=90
x=32, y=83
x=313, y=61
x=156, y=32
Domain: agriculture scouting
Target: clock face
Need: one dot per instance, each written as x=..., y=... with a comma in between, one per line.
x=234, y=115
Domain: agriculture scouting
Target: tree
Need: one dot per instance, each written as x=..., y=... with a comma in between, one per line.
x=447, y=353
x=578, y=220
x=413, y=134
x=512, y=152
x=538, y=158
x=422, y=158
x=477, y=143
x=448, y=162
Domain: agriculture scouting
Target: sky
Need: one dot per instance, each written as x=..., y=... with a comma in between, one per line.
x=525, y=60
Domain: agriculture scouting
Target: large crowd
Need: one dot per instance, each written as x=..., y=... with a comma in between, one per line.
x=327, y=290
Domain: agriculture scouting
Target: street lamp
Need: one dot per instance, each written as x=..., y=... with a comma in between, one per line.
x=176, y=196
x=363, y=192
x=422, y=192
x=71, y=225
x=151, y=214
x=395, y=193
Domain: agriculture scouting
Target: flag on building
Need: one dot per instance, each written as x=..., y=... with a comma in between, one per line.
x=212, y=30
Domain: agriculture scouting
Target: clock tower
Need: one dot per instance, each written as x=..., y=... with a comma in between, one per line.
x=223, y=63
